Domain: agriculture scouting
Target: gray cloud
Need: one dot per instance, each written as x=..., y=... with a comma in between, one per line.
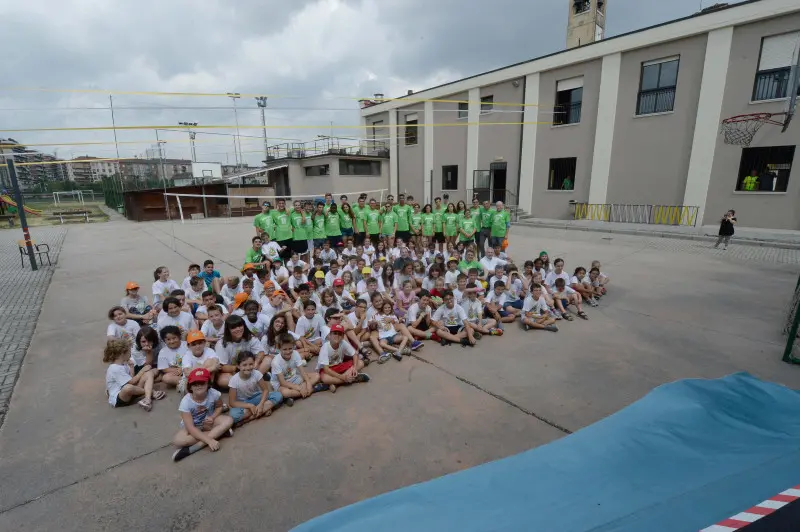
x=319, y=55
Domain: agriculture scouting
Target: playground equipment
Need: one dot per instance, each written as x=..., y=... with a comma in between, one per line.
x=11, y=203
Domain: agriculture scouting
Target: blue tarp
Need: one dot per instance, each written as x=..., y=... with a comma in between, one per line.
x=684, y=457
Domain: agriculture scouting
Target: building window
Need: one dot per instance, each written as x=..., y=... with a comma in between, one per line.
x=463, y=110
x=318, y=170
x=765, y=169
x=562, y=173
x=412, y=137
x=375, y=125
x=774, y=66
x=569, y=98
x=581, y=6
x=657, y=88
x=450, y=177
x=359, y=167
x=487, y=104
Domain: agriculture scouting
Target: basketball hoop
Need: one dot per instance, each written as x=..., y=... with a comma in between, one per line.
x=739, y=130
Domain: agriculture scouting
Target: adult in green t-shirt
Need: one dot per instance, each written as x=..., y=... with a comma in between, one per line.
x=282, y=221
x=469, y=262
x=389, y=224
x=485, y=228
x=300, y=234
x=347, y=222
x=333, y=226
x=263, y=221
x=328, y=202
x=360, y=212
x=438, y=212
x=450, y=224
x=318, y=226
x=428, y=224
x=403, y=211
x=254, y=255
x=501, y=223
x=373, y=221
x=466, y=227
x=415, y=224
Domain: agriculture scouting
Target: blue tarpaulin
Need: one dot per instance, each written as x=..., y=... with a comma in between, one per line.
x=684, y=457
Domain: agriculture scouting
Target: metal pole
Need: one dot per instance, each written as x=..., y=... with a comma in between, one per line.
x=787, y=353
x=235, y=96
x=192, y=136
x=114, y=124
x=262, y=104
x=163, y=176
x=23, y=221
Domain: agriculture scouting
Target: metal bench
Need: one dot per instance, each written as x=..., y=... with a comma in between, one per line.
x=38, y=249
x=62, y=214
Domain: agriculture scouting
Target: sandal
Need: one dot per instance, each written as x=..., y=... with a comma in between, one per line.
x=159, y=395
x=583, y=315
x=146, y=405
x=568, y=316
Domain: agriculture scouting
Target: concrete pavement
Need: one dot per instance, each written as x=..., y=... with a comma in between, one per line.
x=674, y=312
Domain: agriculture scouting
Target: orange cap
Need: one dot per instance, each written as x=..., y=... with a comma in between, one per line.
x=268, y=284
x=195, y=336
x=279, y=292
x=132, y=285
x=239, y=299
x=249, y=266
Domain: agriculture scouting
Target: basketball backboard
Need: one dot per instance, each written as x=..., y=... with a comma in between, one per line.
x=792, y=87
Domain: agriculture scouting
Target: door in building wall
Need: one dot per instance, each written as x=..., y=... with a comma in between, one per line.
x=481, y=186
x=498, y=179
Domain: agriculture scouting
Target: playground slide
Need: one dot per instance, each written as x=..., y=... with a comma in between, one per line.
x=7, y=200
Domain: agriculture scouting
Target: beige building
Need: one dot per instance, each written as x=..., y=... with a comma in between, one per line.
x=629, y=120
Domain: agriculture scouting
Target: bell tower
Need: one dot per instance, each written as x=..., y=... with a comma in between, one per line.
x=587, y=22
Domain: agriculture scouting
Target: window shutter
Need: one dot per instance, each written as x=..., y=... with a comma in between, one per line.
x=411, y=118
x=569, y=84
x=777, y=50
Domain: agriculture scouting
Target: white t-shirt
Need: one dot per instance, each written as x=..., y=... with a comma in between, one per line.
x=117, y=376
x=258, y=287
x=386, y=325
x=211, y=332
x=259, y=327
x=124, y=332
x=330, y=277
x=245, y=389
x=271, y=250
x=272, y=349
x=161, y=290
x=184, y=322
x=473, y=309
x=140, y=357
x=186, y=285
x=537, y=306
x=291, y=264
x=354, y=320
x=494, y=280
x=311, y=329
x=328, y=356
x=514, y=289
x=294, y=282
x=451, y=278
x=458, y=296
x=287, y=368
x=229, y=354
x=191, y=361
x=492, y=297
x=552, y=276
x=172, y=358
x=191, y=295
x=200, y=410
x=450, y=317
x=413, y=313
x=574, y=280
x=298, y=305
x=491, y=264
x=567, y=290
x=279, y=273
x=202, y=309
x=228, y=294
x=327, y=256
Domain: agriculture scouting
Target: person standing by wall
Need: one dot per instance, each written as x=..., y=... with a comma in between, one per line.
x=726, y=229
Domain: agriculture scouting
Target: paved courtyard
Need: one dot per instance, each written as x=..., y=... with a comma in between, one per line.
x=677, y=309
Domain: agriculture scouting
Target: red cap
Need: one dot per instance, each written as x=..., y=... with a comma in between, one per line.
x=338, y=282
x=337, y=329
x=199, y=375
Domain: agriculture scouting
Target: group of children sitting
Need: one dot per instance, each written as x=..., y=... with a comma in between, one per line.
x=237, y=347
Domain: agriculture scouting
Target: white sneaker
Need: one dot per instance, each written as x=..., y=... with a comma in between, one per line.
x=182, y=386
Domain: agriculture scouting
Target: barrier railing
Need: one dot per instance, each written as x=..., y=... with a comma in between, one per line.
x=637, y=214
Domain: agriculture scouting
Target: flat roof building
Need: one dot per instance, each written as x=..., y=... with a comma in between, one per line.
x=628, y=120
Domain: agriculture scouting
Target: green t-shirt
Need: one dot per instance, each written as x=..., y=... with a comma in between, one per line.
x=466, y=224
x=475, y=214
x=373, y=217
x=283, y=225
x=465, y=266
x=326, y=208
x=345, y=222
x=403, y=213
x=263, y=221
x=437, y=218
x=450, y=220
x=389, y=219
x=299, y=227
x=332, y=224
x=253, y=255
x=486, y=217
x=499, y=221
x=318, y=224
x=415, y=221
x=428, y=224
x=361, y=216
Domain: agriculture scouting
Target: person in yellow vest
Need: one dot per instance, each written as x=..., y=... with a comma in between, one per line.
x=751, y=181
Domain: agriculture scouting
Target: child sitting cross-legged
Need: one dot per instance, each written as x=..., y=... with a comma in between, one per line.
x=122, y=388
x=170, y=358
x=249, y=395
x=288, y=375
x=535, y=313
x=337, y=362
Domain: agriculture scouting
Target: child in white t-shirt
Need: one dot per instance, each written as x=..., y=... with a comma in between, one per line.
x=230, y=290
x=563, y=296
x=173, y=315
x=249, y=395
x=200, y=355
x=214, y=327
x=473, y=307
x=449, y=320
x=121, y=327
x=122, y=388
x=388, y=335
x=581, y=283
x=202, y=420
x=170, y=358
x=288, y=375
x=163, y=285
x=451, y=276
x=309, y=328
x=254, y=320
x=535, y=313
x=496, y=304
x=338, y=364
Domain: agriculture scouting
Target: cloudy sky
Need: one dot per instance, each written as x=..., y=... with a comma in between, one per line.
x=314, y=58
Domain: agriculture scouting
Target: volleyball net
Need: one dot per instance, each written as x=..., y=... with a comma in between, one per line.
x=244, y=203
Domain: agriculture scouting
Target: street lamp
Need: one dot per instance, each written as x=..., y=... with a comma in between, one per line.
x=192, y=136
x=262, y=104
x=235, y=96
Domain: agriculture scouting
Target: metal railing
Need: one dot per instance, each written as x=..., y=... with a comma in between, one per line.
x=771, y=84
x=493, y=196
x=637, y=214
x=656, y=101
x=567, y=114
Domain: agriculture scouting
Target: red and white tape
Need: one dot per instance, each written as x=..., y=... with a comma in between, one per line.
x=762, y=509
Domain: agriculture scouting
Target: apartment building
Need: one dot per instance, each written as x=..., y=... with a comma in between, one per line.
x=628, y=120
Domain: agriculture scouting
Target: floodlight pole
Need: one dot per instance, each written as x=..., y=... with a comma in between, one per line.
x=23, y=221
x=262, y=104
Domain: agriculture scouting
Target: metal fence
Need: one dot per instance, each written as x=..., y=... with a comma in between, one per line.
x=656, y=101
x=508, y=198
x=637, y=214
x=791, y=327
x=771, y=84
x=114, y=189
